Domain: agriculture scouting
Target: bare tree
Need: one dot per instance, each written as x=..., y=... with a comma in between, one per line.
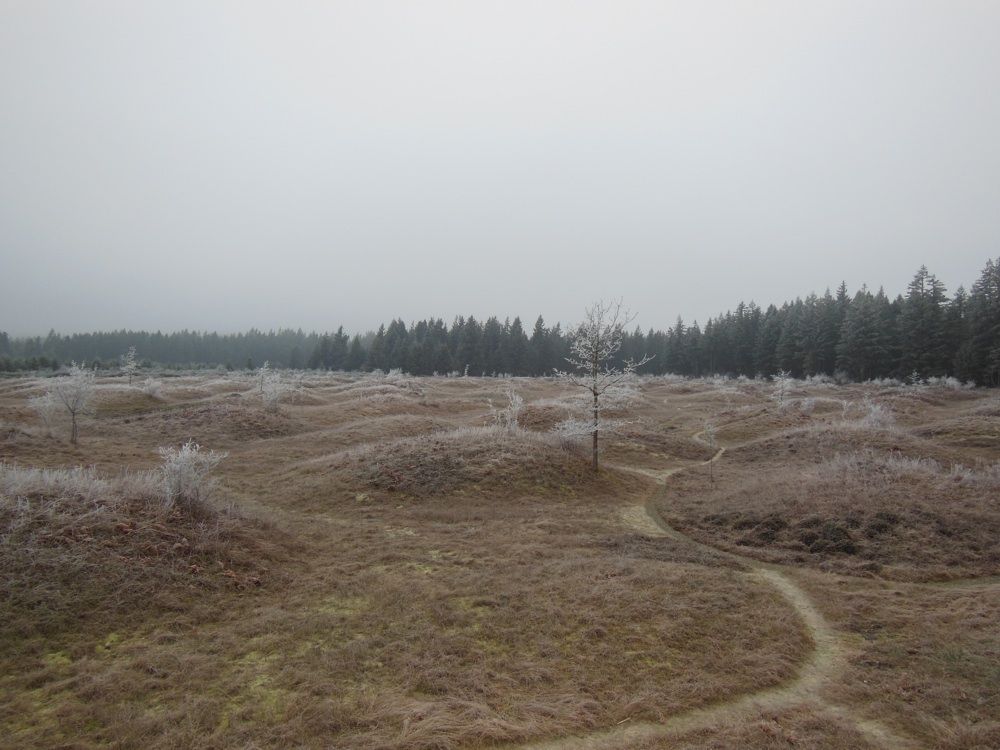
x=74, y=392
x=263, y=374
x=710, y=439
x=593, y=346
x=130, y=366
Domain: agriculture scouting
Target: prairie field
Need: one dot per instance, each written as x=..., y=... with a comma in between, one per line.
x=381, y=562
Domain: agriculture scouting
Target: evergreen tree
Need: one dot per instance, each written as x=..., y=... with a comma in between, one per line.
x=355, y=355
x=923, y=327
x=516, y=350
x=540, y=348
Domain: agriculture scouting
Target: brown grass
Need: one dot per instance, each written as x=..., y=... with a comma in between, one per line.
x=432, y=583
x=866, y=502
x=927, y=660
x=77, y=546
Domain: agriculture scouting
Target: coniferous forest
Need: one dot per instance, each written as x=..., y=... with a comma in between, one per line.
x=861, y=335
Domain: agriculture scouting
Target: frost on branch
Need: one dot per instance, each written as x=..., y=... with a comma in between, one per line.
x=47, y=407
x=263, y=374
x=507, y=417
x=72, y=393
x=594, y=346
x=782, y=387
x=274, y=386
x=185, y=475
x=153, y=388
x=130, y=366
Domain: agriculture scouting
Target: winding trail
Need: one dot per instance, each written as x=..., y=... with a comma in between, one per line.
x=824, y=665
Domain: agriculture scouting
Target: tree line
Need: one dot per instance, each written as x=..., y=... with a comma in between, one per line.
x=864, y=335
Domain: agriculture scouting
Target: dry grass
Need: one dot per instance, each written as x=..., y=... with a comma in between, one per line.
x=434, y=583
x=797, y=727
x=927, y=659
x=849, y=498
x=75, y=545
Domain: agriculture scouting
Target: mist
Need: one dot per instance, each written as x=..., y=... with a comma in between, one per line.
x=233, y=165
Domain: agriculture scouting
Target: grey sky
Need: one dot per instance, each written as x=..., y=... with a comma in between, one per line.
x=224, y=165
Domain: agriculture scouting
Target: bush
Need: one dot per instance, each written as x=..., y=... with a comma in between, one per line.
x=153, y=388
x=185, y=475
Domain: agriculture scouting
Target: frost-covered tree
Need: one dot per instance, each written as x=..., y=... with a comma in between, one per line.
x=274, y=386
x=74, y=392
x=594, y=346
x=711, y=441
x=130, y=365
x=262, y=375
x=782, y=387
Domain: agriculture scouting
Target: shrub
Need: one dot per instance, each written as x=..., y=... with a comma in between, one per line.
x=152, y=388
x=47, y=407
x=876, y=414
x=185, y=475
x=507, y=416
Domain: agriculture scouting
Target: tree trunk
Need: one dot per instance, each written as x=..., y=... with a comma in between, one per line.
x=74, y=432
x=596, y=425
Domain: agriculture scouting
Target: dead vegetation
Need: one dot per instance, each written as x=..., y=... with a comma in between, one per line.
x=76, y=545
x=427, y=578
x=850, y=498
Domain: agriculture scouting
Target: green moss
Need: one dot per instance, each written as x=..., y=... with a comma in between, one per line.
x=112, y=640
x=57, y=659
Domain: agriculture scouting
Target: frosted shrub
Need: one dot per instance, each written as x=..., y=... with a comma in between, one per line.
x=185, y=475
x=782, y=387
x=152, y=388
x=273, y=387
x=819, y=379
x=876, y=414
x=952, y=384
x=507, y=416
x=885, y=382
x=47, y=407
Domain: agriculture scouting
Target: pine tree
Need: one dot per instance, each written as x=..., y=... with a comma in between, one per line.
x=377, y=354
x=469, y=357
x=516, y=355
x=337, y=356
x=923, y=328
x=355, y=355
x=859, y=348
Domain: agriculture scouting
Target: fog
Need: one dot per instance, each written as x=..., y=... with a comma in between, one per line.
x=219, y=166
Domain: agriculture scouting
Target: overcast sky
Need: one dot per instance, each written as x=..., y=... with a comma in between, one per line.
x=219, y=165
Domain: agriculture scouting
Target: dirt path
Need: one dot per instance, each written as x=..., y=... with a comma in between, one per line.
x=824, y=665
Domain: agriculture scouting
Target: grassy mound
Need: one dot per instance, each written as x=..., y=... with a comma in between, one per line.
x=231, y=419
x=75, y=545
x=469, y=459
x=857, y=501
